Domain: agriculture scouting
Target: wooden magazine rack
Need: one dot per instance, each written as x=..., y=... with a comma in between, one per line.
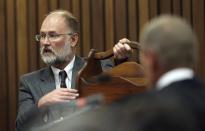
x=124, y=79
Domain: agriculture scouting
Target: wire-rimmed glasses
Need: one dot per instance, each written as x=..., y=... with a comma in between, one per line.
x=50, y=36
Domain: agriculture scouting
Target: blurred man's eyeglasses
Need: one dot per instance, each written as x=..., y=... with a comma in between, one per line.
x=50, y=36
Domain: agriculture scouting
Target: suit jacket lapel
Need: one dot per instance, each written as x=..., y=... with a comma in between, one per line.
x=78, y=64
x=47, y=83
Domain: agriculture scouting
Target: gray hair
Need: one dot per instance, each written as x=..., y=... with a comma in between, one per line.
x=71, y=20
x=173, y=41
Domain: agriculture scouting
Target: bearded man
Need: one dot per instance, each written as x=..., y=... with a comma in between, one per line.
x=43, y=93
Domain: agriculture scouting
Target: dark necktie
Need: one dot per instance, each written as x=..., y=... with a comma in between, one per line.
x=63, y=75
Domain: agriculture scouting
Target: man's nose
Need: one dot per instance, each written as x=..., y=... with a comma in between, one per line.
x=46, y=41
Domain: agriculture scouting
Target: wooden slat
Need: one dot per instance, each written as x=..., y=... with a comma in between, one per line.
x=42, y=12
x=199, y=27
x=165, y=6
x=186, y=10
x=12, y=68
x=65, y=4
x=97, y=25
x=133, y=24
x=53, y=5
x=153, y=8
x=120, y=19
x=76, y=8
x=176, y=7
x=109, y=24
x=143, y=13
x=3, y=79
x=132, y=20
x=86, y=35
x=76, y=12
x=22, y=37
x=33, y=29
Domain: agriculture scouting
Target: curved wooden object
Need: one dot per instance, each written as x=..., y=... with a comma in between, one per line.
x=109, y=53
x=124, y=79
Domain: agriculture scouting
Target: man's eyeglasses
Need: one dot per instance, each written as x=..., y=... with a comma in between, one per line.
x=51, y=36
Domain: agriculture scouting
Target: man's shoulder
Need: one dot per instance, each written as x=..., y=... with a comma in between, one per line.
x=79, y=60
x=187, y=84
x=186, y=89
x=34, y=74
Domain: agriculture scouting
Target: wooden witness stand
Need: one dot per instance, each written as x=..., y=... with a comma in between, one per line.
x=124, y=79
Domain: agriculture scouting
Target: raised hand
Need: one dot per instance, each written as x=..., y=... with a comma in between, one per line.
x=121, y=49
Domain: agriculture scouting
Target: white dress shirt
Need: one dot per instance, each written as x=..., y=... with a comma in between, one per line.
x=173, y=76
x=68, y=70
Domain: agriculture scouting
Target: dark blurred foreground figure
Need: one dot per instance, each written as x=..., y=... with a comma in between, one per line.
x=170, y=51
x=169, y=57
x=154, y=113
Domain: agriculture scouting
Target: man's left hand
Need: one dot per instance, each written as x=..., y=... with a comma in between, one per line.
x=122, y=50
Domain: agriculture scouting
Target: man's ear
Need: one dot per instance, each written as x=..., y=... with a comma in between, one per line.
x=154, y=61
x=74, y=39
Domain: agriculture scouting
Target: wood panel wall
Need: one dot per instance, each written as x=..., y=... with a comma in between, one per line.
x=103, y=23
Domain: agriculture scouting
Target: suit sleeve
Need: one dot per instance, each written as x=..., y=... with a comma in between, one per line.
x=28, y=112
x=106, y=64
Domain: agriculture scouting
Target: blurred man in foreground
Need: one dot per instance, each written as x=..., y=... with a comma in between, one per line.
x=169, y=57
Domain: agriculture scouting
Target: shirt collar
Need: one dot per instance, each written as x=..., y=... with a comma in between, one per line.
x=173, y=76
x=68, y=69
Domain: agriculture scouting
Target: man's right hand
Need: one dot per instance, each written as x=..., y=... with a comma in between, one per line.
x=58, y=95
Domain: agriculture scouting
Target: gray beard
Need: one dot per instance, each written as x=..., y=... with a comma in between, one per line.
x=66, y=54
x=51, y=60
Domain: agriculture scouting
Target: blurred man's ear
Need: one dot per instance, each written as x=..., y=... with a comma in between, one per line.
x=154, y=61
x=74, y=39
x=150, y=56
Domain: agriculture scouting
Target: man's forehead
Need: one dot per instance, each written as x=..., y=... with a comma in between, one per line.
x=53, y=23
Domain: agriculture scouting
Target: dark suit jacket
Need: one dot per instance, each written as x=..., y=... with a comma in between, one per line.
x=182, y=98
x=190, y=94
x=35, y=85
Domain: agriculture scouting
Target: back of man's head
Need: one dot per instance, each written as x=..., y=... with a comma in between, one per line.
x=172, y=40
